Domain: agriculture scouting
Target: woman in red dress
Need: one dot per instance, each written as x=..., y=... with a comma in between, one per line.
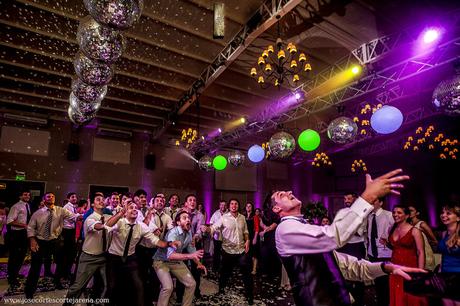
x=408, y=250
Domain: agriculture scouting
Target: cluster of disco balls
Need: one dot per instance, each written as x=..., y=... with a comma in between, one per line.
x=207, y=163
x=101, y=45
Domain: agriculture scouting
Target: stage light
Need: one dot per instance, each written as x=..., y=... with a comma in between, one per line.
x=256, y=153
x=355, y=69
x=243, y=120
x=219, y=162
x=297, y=96
x=219, y=130
x=430, y=35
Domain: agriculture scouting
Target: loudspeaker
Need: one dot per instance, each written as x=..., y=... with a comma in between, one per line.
x=73, y=152
x=150, y=161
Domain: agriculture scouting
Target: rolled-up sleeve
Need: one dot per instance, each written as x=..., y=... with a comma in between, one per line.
x=32, y=226
x=171, y=236
x=13, y=214
x=358, y=270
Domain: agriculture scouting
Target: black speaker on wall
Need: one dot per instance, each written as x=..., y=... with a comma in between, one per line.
x=150, y=161
x=73, y=152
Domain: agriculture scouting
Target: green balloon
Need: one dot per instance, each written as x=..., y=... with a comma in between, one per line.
x=309, y=140
x=219, y=162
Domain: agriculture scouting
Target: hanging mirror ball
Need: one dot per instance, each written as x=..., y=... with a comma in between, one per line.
x=281, y=145
x=91, y=72
x=117, y=14
x=83, y=107
x=98, y=42
x=256, y=153
x=88, y=93
x=205, y=163
x=78, y=118
x=342, y=130
x=236, y=158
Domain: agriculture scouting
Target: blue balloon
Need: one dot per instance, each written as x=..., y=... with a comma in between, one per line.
x=386, y=120
x=256, y=153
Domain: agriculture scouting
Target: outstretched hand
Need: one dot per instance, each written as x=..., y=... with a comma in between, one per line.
x=403, y=270
x=383, y=185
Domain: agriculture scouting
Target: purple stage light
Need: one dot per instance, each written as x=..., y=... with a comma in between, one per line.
x=430, y=35
x=220, y=130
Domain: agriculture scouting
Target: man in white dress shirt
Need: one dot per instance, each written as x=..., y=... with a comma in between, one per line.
x=93, y=256
x=235, y=248
x=18, y=217
x=217, y=237
x=315, y=271
x=125, y=284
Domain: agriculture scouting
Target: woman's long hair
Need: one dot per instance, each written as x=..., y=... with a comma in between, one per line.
x=454, y=239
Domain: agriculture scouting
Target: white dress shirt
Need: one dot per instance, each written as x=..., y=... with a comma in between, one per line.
x=36, y=226
x=358, y=270
x=216, y=216
x=119, y=235
x=18, y=212
x=233, y=231
x=385, y=221
x=165, y=225
x=93, y=242
x=293, y=237
x=360, y=235
x=70, y=223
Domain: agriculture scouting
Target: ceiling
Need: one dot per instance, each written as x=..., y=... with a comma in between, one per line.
x=167, y=51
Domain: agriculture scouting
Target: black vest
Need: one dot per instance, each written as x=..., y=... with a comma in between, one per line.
x=316, y=280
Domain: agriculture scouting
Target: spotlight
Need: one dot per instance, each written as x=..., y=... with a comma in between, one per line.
x=298, y=94
x=220, y=130
x=430, y=35
x=243, y=120
x=355, y=69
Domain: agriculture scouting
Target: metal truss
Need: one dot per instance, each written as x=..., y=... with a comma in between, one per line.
x=384, y=80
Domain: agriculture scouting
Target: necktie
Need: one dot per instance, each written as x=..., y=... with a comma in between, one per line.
x=104, y=236
x=49, y=220
x=374, y=237
x=161, y=222
x=128, y=241
x=28, y=213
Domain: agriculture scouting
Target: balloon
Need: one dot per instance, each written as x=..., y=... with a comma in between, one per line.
x=446, y=96
x=219, y=162
x=309, y=140
x=281, y=145
x=78, y=118
x=83, y=107
x=87, y=92
x=91, y=72
x=205, y=163
x=98, y=42
x=118, y=14
x=386, y=120
x=256, y=153
x=342, y=130
x=236, y=158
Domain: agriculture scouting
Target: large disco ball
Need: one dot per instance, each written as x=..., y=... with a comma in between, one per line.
x=256, y=153
x=446, y=96
x=205, y=163
x=88, y=93
x=236, y=158
x=386, y=120
x=78, y=118
x=83, y=107
x=342, y=130
x=281, y=145
x=99, y=42
x=118, y=14
x=91, y=72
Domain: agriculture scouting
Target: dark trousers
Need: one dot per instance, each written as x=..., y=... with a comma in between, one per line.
x=18, y=245
x=148, y=276
x=217, y=256
x=124, y=281
x=382, y=285
x=46, y=249
x=229, y=261
x=67, y=253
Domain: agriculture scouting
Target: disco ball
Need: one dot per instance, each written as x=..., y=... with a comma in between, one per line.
x=83, y=107
x=446, y=96
x=205, y=163
x=118, y=14
x=342, y=130
x=87, y=92
x=281, y=145
x=91, y=72
x=79, y=118
x=99, y=42
x=236, y=158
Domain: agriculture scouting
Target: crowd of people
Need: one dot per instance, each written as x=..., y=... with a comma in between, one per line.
x=130, y=250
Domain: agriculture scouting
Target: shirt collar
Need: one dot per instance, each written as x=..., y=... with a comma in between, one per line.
x=379, y=211
x=298, y=218
x=179, y=230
